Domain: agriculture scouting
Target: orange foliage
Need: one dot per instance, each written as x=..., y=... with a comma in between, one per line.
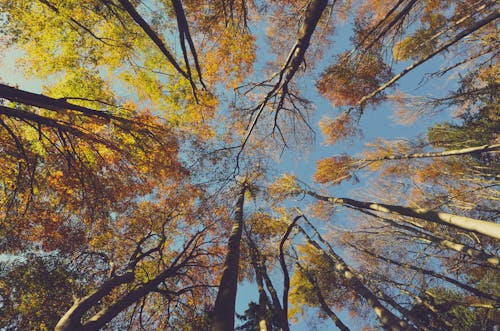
x=349, y=79
x=333, y=170
x=322, y=210
x=337, y=129
x=429, y=172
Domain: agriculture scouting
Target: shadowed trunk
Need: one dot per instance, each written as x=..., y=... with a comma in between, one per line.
x=223, y=313
x=263, y=300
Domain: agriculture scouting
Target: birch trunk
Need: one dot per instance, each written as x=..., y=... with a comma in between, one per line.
x=486, y=228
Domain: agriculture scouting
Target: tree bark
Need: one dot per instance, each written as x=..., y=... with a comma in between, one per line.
x=223, y=312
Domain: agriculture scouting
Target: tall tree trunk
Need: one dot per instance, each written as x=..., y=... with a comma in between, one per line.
x=277, y=307
x=295, y=58
x=286, y=276
x=434, y=274
x=262, y=300
x=223, y=313
x=464, y=223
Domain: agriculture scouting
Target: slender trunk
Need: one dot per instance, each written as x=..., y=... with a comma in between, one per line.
x=321, y=299
x=461, y=222
x=397, y=18
x=312, y=16
x=443, y=241
x=493, y=16
x=129, y=8
x=184, y=36
x=45, y=102
x=462, y=151
x=434, y=274
x=263, y=300
x=386, y=317
x=439, y=319
x=286, y=276
x=295, y=58
x=71, y=320
x=270, y=287
x=276, y=301
x=223, y=313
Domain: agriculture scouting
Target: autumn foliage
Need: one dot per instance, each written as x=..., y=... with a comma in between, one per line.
x=350, y=78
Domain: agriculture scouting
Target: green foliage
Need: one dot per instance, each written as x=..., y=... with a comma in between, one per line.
x=459, y=314
x=35, y=291
x=476, y=129
x=250, y=319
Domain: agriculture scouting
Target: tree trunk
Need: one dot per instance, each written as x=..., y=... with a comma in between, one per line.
x=223, y=313
x=263, y=299
x=270, y=287
x=72, y=319
x=452, y=152
x=41, y=101
x=442, y=240
x=434, y=274
x=321, y=299
x=286, y=276
x=461, y=222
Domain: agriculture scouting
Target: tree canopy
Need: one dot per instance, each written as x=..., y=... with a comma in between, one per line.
x=169, y=152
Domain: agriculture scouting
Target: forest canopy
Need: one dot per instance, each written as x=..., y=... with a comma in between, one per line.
x=249, y=165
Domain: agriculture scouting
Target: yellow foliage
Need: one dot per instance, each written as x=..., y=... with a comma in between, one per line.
x=285, y=186
x=333, y=170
